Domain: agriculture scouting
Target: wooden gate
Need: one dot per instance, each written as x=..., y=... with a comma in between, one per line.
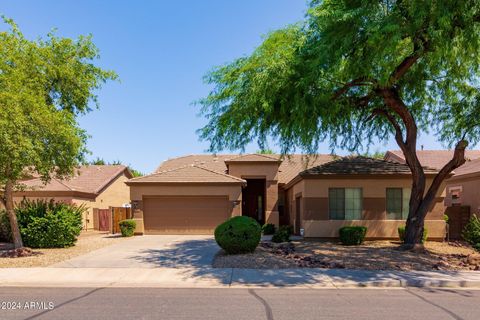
x=119, y=214
x=104, y=218
x=458, y=217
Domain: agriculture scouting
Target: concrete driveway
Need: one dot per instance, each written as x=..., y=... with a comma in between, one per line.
x=155, y=251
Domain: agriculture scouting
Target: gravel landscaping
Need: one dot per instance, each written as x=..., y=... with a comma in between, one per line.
x=88, y=241
x=371, y=255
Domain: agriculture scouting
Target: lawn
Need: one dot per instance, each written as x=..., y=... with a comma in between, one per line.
x=87, y=241
x=371, y=255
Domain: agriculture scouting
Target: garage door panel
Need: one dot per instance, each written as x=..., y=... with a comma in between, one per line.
x=184, y=215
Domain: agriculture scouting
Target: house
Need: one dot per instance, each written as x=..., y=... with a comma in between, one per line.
x=316, y=195
x=463, y=188
x=95, y=186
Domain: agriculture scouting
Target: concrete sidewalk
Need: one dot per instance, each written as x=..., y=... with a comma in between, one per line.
x=231, y=278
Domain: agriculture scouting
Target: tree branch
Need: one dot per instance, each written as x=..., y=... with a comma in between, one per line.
x=362, y=81
x=419, y=48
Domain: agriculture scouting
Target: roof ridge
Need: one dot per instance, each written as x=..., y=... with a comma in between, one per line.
x=161, y=172
x=220, y=173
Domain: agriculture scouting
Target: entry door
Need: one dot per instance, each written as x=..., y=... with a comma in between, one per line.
x=253, y=200
x=298, y=201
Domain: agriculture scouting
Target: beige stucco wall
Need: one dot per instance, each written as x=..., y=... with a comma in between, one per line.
x=267, y=171
x=314, y=217
x=470, y=194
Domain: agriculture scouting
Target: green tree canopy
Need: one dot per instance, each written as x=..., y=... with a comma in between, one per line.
x=44, y=85
x=354, y=72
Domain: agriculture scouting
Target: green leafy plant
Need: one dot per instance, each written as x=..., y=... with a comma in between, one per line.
x=282, y=234
x=127, y=227
x=238, y=235
x=401, y=234
x=48, y=224
x=471, y=232
x=268, y=228
x=352, y=235
x=446, y=218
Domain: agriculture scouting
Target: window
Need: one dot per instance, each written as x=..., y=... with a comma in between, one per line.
x=398, y=203
x=345, y=203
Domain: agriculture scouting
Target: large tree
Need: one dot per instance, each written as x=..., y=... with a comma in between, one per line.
x=355, y=72
x=44, y=85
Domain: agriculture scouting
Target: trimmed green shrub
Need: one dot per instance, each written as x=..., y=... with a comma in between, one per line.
x=477, y=246
x=352, y=235
x=127, y=227
x=268, y=228
x=471, y=232
x=401, y=234
x=5, y=232
x=282, y=234
x=51, y=224
x=238, y=235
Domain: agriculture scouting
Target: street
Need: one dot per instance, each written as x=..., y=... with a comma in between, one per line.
x=151, y=303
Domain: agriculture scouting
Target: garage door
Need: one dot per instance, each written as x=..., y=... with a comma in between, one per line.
x=184, y=215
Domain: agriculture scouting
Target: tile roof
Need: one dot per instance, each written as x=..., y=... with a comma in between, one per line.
x=361, y=165
x=89, y=179
x=431, y=158
x=470, y=167
x=290, y=167
x=254, y=157
x=185, y=174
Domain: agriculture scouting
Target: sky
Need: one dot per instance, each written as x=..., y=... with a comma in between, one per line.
x=161, y=50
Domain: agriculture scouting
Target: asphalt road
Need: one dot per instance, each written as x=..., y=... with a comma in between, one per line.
x=248, y=304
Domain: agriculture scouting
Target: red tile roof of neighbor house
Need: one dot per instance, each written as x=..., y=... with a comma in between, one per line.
x=290, y=167
x=187, y=174
x=431, y=158
x=89, y=179
x=470, y=167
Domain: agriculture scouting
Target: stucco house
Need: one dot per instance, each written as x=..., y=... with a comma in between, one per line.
x=95, y=186
x=463, y=188
x=316, y=195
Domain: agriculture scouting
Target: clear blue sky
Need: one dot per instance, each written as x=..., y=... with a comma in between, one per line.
x=161, y=50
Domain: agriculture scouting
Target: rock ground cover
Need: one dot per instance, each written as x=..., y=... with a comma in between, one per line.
x=371, y=255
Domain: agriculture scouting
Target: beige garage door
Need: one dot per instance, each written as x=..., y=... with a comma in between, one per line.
x=184, y=215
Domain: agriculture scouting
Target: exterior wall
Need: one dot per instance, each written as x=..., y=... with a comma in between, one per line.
x=268, y=171
x=469, y=194
x=314, y=211
x=139, y=191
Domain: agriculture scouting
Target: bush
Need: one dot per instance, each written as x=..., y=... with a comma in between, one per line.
x=283, y=234
x=5, y=232
x=401, y=234
x=477, y=246
x=471, y=232
x=127, y=227
x=238, y=235
x=51, y=224
x=268, y=228
x=352, y=235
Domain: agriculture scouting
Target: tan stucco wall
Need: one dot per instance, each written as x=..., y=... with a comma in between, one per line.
x=470, y=194
x=268, y=171
x=314, y=216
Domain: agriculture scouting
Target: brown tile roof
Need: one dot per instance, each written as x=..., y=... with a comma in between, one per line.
x=254, y=157
x=290, y=167
x=470, y=167
x=187, y=174
x=361, y=165
x=431, y=158
x=89, y=179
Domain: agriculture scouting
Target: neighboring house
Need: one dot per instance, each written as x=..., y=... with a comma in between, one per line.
x=318, y=195
x=95, y=186
x=463, y=188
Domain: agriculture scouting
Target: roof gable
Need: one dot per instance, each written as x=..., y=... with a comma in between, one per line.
x=255, y=157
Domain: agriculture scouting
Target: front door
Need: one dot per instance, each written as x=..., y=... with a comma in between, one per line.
x=253, y=200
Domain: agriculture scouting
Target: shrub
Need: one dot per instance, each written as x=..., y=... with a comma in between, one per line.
x=238, y=235
x=401, y=234
x=127, y=227
x=5, y=232
x=352, y=235
x=471, y=232
x=51, y=224
x=282, y=234
x=268, y=228
x=477, y=246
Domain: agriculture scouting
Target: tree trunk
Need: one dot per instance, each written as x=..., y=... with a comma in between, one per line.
x=17, y=238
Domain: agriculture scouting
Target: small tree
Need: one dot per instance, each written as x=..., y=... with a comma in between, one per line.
x=44, y=85
x=355, y=72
